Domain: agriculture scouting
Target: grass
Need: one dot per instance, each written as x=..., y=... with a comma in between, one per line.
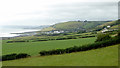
x=68, y=25
x=74, y=25
x=107, y=56
x=33, y=48
x=52, y=36
x=48, y=29
x=113, y=24
x=115, y=27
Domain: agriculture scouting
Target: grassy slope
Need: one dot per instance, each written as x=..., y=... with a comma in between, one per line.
x=70, y=25
x=48, y=29
x=33, y=48
x=106, y=24
x=93, y=24
x=110, y=23
x=115, y=27
x=107, y=56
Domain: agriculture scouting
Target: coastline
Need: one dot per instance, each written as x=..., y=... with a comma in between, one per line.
x=19, y=34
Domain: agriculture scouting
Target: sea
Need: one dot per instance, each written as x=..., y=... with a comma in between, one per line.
x=8, y=31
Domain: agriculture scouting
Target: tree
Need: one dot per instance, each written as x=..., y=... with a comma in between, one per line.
x=78, y=20
x=85, y=21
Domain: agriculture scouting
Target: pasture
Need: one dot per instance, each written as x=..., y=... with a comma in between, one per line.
x=33, y=48
x=107, y=56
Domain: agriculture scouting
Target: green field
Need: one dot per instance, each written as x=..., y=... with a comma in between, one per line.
x=33, y=48
x=107, y=56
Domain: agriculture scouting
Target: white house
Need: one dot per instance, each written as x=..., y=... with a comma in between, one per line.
x=108, y=26
x=104, y=30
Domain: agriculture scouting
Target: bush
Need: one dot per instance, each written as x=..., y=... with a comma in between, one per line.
x=10, y=41
x=14, y=56
x=17, y=41
x=9, y=57
x=61, y=38
x=102, y=37
x=42, y=40
x=87, y=36
x=22, y=55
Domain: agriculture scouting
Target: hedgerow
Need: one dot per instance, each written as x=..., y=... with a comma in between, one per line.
x=17, y=41
x=95, y=45
x=14, y=56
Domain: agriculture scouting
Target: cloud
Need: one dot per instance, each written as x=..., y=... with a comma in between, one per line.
x=43, y=12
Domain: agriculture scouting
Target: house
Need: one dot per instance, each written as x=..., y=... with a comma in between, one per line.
x=108, y=26
x=104, y=30
x=58, y=31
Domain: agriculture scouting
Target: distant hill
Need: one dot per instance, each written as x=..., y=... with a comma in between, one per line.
x=36, y=27
x=75, y=25
x=112, y=24
x=25, y=26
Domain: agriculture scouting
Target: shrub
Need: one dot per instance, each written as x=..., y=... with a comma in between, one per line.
x=9, y=41
x=22, y=55
x=42, y=40
x=9, y=57
x=102, y=37
x=14, y=56
x=17, y=41
x=62, y=38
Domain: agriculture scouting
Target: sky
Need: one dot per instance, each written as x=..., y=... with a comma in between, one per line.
x=49, y=12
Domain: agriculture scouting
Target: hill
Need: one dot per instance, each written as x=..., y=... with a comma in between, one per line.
x=112, y=24
x=75, y=26
x=107, y=56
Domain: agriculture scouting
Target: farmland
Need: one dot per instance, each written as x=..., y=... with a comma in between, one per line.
x=33, y=48
x=107, y=56
x=63, y=49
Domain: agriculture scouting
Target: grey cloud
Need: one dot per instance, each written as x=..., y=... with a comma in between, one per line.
x=92, y=9
x=75, y=11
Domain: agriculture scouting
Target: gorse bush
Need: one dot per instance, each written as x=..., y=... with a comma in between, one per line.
x=14, y=56
x=82, y=48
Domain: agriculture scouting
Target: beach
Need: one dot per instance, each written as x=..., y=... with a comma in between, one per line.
x=15, y=32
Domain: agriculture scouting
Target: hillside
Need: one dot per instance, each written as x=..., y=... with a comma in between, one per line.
x=113, y=25
x=75, y=25
x=107, y=56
